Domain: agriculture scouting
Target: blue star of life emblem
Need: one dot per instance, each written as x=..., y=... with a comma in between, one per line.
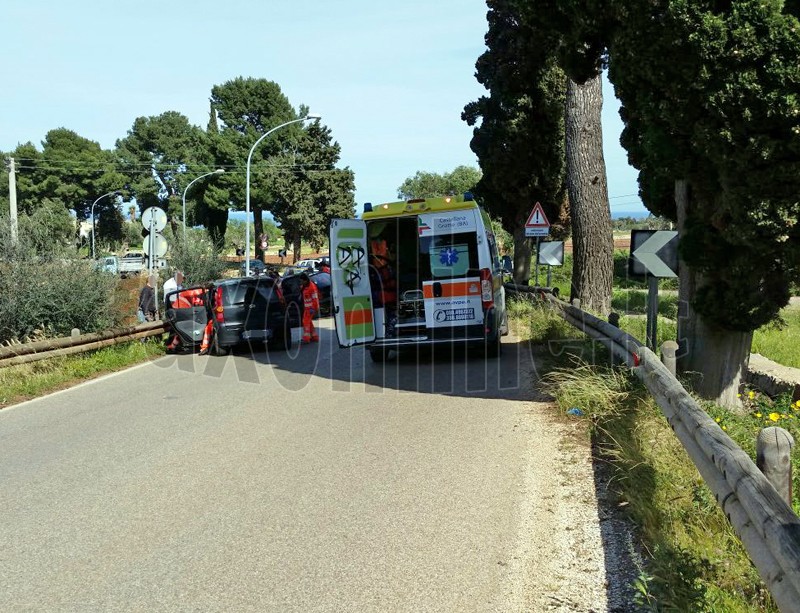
x=448, y=256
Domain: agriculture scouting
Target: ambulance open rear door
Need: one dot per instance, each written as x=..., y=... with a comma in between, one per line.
x=351, y=294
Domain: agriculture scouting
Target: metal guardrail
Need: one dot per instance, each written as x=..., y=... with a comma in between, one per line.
x=763, y=521
x=25, y=353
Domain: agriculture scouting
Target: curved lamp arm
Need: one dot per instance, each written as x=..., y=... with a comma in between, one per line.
x=309, y=117
x=218, y=171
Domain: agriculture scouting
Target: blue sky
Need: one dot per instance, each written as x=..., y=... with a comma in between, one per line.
x=390, y=79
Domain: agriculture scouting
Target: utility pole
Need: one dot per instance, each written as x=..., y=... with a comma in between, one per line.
x=12, y=198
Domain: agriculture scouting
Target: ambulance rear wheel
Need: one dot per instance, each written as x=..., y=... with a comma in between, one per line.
x=493, y=348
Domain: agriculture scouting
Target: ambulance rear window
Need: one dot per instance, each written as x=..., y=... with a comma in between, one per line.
x=450, y=255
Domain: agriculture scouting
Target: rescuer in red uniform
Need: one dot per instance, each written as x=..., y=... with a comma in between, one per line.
x=310, y=308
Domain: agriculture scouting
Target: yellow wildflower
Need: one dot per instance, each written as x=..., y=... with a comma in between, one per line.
x=752, y=395
x=717, y=419
x=774, y=416
x=797, y=404
x=758, y=414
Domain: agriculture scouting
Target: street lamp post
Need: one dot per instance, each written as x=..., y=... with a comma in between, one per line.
x=114, y=193
x=218, y=171
x=308, y=117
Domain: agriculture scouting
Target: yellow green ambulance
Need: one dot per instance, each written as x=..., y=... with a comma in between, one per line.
x=445, y=274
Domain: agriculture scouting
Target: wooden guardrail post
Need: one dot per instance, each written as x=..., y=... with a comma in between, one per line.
x=669, y=352
x=774, y=458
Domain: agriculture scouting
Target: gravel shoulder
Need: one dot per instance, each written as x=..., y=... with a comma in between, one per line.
x=579, y=548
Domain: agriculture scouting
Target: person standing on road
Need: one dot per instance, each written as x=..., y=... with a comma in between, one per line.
x=147, y=301
x=174, y=283
x=382, y=276
x=310, y=308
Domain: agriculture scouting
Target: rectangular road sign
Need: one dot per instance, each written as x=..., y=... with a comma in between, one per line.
x=654, y=253
x=551, y=253
x=537, y=231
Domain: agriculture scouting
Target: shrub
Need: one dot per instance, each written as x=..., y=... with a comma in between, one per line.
x=197, y=257
x=43, y=296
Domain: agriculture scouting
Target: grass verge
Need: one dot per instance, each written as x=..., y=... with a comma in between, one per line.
x=26, y=381
x=693, y=561
x=779, y=341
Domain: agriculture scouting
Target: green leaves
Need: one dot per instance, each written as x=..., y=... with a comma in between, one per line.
x=430, y=184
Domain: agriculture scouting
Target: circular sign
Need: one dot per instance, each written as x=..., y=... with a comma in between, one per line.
x=158, y=244
x=157, y=216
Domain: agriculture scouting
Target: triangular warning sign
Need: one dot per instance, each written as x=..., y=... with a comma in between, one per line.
x=537, y=218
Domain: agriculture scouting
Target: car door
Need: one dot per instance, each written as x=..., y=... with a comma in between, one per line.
x=187, y=314
x=351, y=293
x=264, y=309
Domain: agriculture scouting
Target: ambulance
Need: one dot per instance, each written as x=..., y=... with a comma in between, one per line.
x=422, y=272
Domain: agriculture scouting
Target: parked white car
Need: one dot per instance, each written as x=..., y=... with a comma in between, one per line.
x=306, y=264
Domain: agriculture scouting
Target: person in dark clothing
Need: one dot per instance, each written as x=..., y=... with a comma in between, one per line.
x=147, y=301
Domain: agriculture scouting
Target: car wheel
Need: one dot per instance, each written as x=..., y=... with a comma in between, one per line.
x=282, y=338
x=216, y=349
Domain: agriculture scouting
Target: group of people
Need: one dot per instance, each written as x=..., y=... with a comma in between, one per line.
x=147, y=309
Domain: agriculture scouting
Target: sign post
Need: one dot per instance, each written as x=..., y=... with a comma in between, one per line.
x=154, y=219
x=654, y=254
x=550, y=254
x=538, y=226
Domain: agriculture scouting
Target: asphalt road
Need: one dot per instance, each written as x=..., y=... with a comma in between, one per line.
x=309, y=481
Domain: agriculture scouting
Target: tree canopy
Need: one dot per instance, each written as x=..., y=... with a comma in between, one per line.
x=712, y=97
x=161, y=155
x=309, y=190
x=430, y=184
x=519, y=128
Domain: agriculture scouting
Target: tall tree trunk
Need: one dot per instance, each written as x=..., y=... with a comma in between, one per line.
x=592, y=236
x=296, y=247
x=522, y=255
x=714, y=359
x=258, y=230
x=216, y=225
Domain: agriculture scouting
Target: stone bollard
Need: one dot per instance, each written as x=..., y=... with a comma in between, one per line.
x=669, y=352
x=774, y=458
x=75, y=332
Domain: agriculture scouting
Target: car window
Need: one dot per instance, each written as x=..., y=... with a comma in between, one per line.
x=234, y=293
x=290, y=286
x=322, y=279
x=188, y=298
x=249, y=291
